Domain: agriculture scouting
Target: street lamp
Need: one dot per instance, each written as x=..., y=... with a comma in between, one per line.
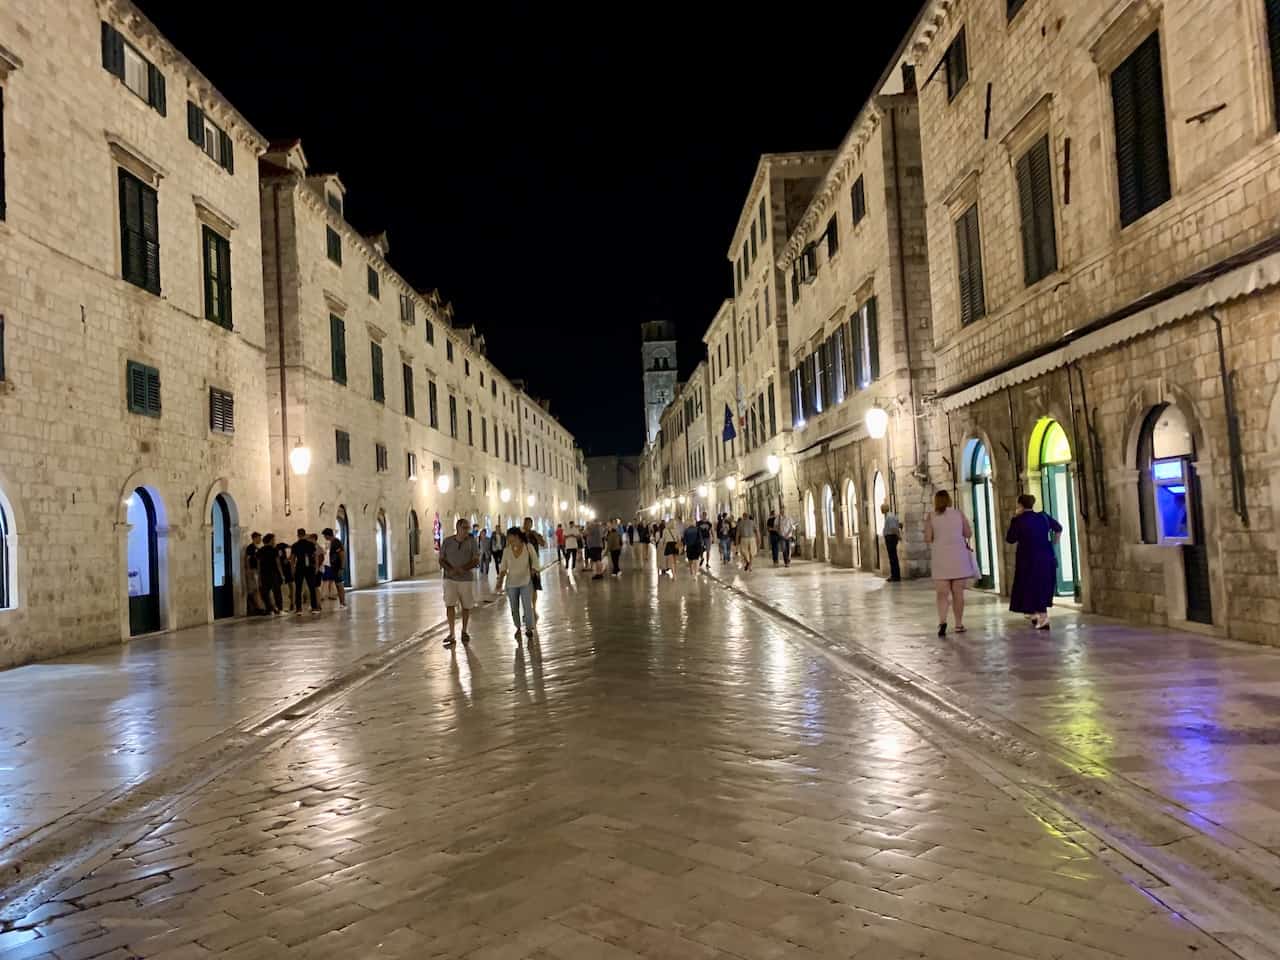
x=564, y=505
x=505, y=495
x=773, y=464
x=730, y=483
x=681, y=500
x=442, y=483
x=877, y=422
x=300, y=459
x=702, y=490
x=531, y=499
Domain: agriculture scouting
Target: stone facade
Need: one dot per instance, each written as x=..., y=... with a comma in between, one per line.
x=661, y=369
x=682, y=449
x=1054, y=388
x=73, y=454
x=615, y=486
x=447, y=434
x=859, y=337
x=142, y=437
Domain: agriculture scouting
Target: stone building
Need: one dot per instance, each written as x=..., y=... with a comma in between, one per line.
x=658, y=358
x=1102, y=186
x=858, y=340
x=682, y=450
x=134, y=437
x=722, y=388
x=408, y=424
x=615, y=486
x=756, y=349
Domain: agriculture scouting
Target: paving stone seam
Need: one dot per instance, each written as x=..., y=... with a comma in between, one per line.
x=1231, y=882
x=42, y=863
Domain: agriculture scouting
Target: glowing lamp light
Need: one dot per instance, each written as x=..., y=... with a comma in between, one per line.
x=877, y=422
x=702, y=490
x=680, y=500
x=505, y=495
x=442, y=483
x=531, y=499
x=730, y=483
x=654, y=510
x=300, y=459
x=591, y=514
x=564, y=505
x=773, y=464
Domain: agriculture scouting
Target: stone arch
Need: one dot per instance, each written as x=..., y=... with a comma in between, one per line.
x=149, y=480
x=10, y=558
x=222, y=488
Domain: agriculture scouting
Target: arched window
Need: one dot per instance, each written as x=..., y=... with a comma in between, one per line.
x=828, y=512
x=1165, y=451
x=850, y=510
x=810, y=518
x=8, y=558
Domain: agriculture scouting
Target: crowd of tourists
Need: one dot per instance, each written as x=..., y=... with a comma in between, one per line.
x=283, y=576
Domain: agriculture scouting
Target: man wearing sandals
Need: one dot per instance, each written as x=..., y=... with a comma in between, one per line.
x=459, y=555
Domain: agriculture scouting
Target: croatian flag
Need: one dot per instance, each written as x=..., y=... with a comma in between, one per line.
x=729, y=433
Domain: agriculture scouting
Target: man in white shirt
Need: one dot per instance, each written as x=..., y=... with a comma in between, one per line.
x=786, y=528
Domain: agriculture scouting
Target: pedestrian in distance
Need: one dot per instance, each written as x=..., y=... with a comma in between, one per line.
x=771, y=528
x=595, y=549
x=252, y=583
x=303, y=552
x=515, y=576
x=613, y=542
x=459, y=556
x=560, y=539
x=270, y=576
x=706, y=531
x=724, y=533
x=692, y=547
x=786, y=535
x=1035, y=565
x=748, y=540
x=336, y=553
x=670, y=545
x=486, y=552
x=572, y=543
x=535, y=541
x=285, y=553
x=497, y=543
x=892, y=537
x=952, y=562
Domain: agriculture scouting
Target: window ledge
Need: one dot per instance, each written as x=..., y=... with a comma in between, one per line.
x=208, y=212
x=134, y=160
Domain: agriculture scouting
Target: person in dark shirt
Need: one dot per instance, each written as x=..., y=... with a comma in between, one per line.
x=252, y=582
x=270, y=576
x=304, y=572
x=337, y=556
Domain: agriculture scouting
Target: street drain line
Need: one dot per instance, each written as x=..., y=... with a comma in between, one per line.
x=39, y=865
x=1221, y=882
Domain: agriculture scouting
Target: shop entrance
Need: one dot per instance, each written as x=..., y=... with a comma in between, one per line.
x=1050, y=457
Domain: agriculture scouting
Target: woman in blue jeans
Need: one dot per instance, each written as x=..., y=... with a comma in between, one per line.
x=515, y=574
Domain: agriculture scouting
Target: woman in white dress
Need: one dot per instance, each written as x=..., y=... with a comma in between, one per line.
x=947, y=532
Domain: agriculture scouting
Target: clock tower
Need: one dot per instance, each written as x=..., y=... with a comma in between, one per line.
x=658, y=348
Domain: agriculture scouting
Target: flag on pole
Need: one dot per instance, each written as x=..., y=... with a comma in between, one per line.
x=729, y=433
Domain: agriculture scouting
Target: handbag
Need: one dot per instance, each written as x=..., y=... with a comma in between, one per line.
x=974, y=570
x=535, y=576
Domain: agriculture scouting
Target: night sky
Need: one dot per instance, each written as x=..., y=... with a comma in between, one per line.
x=559, y=177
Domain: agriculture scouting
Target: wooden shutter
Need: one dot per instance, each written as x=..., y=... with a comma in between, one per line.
x=957, y=65
x=3, y=210
x=379, y=385
x=153, y=391
x=224, y=279
x=408, y=389
x=112, y=50
x=150, y=238
x=222, y=416
x=226, y=151
x=155, y=88
x=873, y=340
x=136, y=386
x=1142, y=149
x=195, y=124
x=969, y=264
x=338, y=348
x=855, y=332
x=1035, y=199
x=1273, y=39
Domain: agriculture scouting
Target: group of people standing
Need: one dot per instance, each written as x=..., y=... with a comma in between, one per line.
x=673, y=538
x=306, y=564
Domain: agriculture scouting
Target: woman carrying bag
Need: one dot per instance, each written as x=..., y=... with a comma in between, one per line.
x=516, y=575
x=952, y=561
x=1035, y=566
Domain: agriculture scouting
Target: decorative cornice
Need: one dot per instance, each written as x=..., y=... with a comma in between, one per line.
x=133, y=158
x=767, y=164
x=933, y=20
x=123, y=14
x=209, y=211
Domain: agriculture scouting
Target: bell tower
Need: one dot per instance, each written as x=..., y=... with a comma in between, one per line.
x=658, y=348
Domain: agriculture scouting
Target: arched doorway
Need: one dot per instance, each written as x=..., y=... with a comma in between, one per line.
x=143, y=563
x=221, y=552
x=811, y=523
x=415, y=547
x=1169, y=502
x=343, y=529
x=879, y=496
x=851, y=525
x=977, y=471
x=828, y=521
x=1050, y=457
x=8, y=556
x=381, y=548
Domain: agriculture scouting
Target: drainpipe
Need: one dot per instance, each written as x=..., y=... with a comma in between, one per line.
x=919, y=471
x=284, y=398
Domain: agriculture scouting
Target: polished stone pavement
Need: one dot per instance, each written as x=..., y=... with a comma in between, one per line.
x=665, y=774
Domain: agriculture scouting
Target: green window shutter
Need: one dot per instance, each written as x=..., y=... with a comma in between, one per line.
x=209, y=257
x=131, y=243
x=2, y=190
x=873, y=340
x=1273, y=40
x=224, y=278
x=195, y=124
x=155, y=89
x=338, y=348
x=153, y=392
x=1142, y=147
x=379, y=385
x=333, y=245
x=859, y=350
x=112, y=50
x=150, y=238
x=226, y=151
x=136, y=386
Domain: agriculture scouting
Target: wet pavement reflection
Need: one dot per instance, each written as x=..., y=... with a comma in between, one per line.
x=664, y=774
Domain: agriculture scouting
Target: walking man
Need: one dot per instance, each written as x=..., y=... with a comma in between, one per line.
x=786, y=528
x=459, y=555
x=692, y=547
x=337, y=564
x=536, y=542
x=486, y=552
x=252, y=583
x=771, y=527
x=706, y=531
x=892, y=536
x=560, y=539
x=304, y=572
x=497, y=543
x=748, y=540
x=614, y=543
x=595, y=549
x=572, y=541
x=725, y=536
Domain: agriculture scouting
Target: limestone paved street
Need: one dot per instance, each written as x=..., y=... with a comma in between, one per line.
x=667, y=773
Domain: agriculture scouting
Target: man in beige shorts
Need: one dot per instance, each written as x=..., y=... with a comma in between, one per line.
x=459, y=556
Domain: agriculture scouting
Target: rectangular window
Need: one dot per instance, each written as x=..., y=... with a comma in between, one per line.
x=411, y=466
x=210, y=138
x=430, y=330
x=375, y=365
x=764, y=221
x=797, y=415
x=833, y=237
x=342, y=446
x=333, y=245
x=864, y=332
x=753, y=239
x=773, y=412
x=835, y=353
x=135, y=71
x=457, y=479
x=471, y=439
x=217, y=278
x=222, y=411
x=410, y=402
x=493, y=387
x=408, y=311
x=334, y=201
x=380, y=457
x=143, y=389
x=1035, y=201
x=957, y=65
x=795, y=282
x=2, y=190
x=1142, y=147
x=453, y=416
x=448, y=350
x=858, y=197
x=338, y=348
x=433, y=408
x=973, y=303
x=139, y=233
x=1012, y=8
x=484, y=434
x=809, y=264
x=466, y=367
x=375, y=283
x=495, y=440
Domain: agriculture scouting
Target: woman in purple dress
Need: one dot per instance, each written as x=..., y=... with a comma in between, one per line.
x=1035, y=568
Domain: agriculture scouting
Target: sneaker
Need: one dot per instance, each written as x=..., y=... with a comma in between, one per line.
x=942, y=629
x=466, y=637
x=517, y=635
